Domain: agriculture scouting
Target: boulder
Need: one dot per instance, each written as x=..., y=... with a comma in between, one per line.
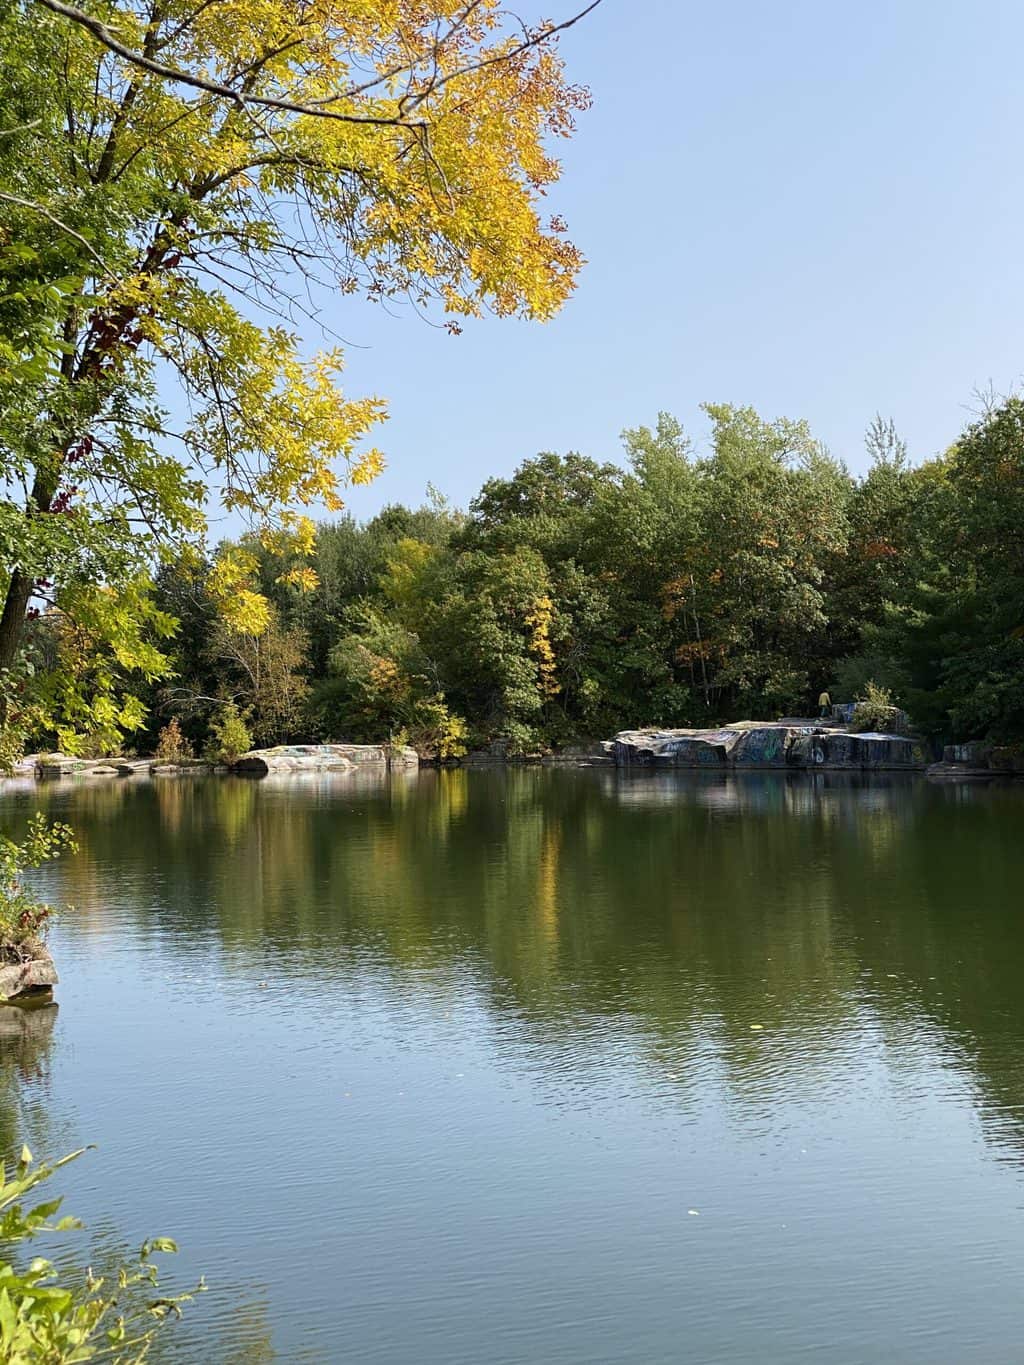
x=30, y=977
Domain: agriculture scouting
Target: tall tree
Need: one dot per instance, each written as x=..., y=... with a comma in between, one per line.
x=174, y=179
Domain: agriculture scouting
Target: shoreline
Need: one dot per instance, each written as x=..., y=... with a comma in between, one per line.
x=791, y=745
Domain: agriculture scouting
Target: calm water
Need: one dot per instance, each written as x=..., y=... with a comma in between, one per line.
x=541, y=1066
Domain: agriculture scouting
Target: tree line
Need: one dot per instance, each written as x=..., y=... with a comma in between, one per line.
x=682, y=587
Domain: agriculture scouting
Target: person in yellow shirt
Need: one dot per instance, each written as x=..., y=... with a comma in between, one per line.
x=824, y=706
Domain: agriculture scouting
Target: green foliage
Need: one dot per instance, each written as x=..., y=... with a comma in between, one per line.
x=154, y=233
x=874, y=709
x=574, y=598
x=262, y=671
x=857, y=671
x=436, y=732
x=229, y=735
x=12, y=747
x=23, y=918
x=46, y=1322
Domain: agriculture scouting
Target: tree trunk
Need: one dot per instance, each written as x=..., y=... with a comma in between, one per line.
x=19, y=588
x=19, y=591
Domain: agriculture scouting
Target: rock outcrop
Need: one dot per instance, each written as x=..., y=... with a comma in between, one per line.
x=324, y=758
x=283, y=758
x=766, y=746
x=65, y=765
x=979, y=759
x=27, y=980
x=674, y=748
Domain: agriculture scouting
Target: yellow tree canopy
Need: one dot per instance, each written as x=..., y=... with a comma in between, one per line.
x=174, y=175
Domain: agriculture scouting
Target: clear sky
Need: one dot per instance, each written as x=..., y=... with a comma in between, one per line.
x=810, y=207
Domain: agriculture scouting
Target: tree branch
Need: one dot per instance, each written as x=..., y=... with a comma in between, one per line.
x=318, y=108
x=57, y=222
x=103, y=35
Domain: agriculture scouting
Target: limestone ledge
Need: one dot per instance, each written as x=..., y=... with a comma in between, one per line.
x=765, y=746
x=325, y=758
x=283, y=758
x=978, y=759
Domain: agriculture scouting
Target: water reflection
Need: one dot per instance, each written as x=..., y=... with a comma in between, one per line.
x=692, y=908
x=25, y=1039
x=688, y=969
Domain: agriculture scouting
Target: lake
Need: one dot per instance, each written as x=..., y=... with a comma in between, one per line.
x=536, y=1065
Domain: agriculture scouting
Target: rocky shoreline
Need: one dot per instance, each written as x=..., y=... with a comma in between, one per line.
x=790, y=744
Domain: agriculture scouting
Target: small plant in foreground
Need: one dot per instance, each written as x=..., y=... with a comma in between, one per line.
x=229, y=736
x=44, y=1322
x=23, y=918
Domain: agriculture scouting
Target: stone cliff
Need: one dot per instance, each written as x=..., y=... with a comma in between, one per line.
x=779, y=745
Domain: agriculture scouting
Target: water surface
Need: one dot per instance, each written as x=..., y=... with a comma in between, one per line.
x=545, y=1066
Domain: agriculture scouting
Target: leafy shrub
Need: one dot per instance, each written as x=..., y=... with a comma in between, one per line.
x=517, y=739
x=43, y=1322
x=452, y=736
x=229, y=735
x=23, y=918
x=435, y=732
x=172, y=746
x=874, y=709
x=12, y=747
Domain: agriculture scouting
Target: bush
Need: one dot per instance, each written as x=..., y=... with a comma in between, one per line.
x=874, y=709
x=43, y=1322
x=229, y=735
x=12, y=747
x=23, y=918
x=435, y=732
x=172, y=746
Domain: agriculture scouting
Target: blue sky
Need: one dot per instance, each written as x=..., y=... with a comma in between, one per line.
x=809, y=207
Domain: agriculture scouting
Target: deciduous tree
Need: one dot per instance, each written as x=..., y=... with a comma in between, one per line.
x=175, y=179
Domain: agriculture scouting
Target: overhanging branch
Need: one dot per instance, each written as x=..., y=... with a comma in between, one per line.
x=318, y=108
x=109, y=40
